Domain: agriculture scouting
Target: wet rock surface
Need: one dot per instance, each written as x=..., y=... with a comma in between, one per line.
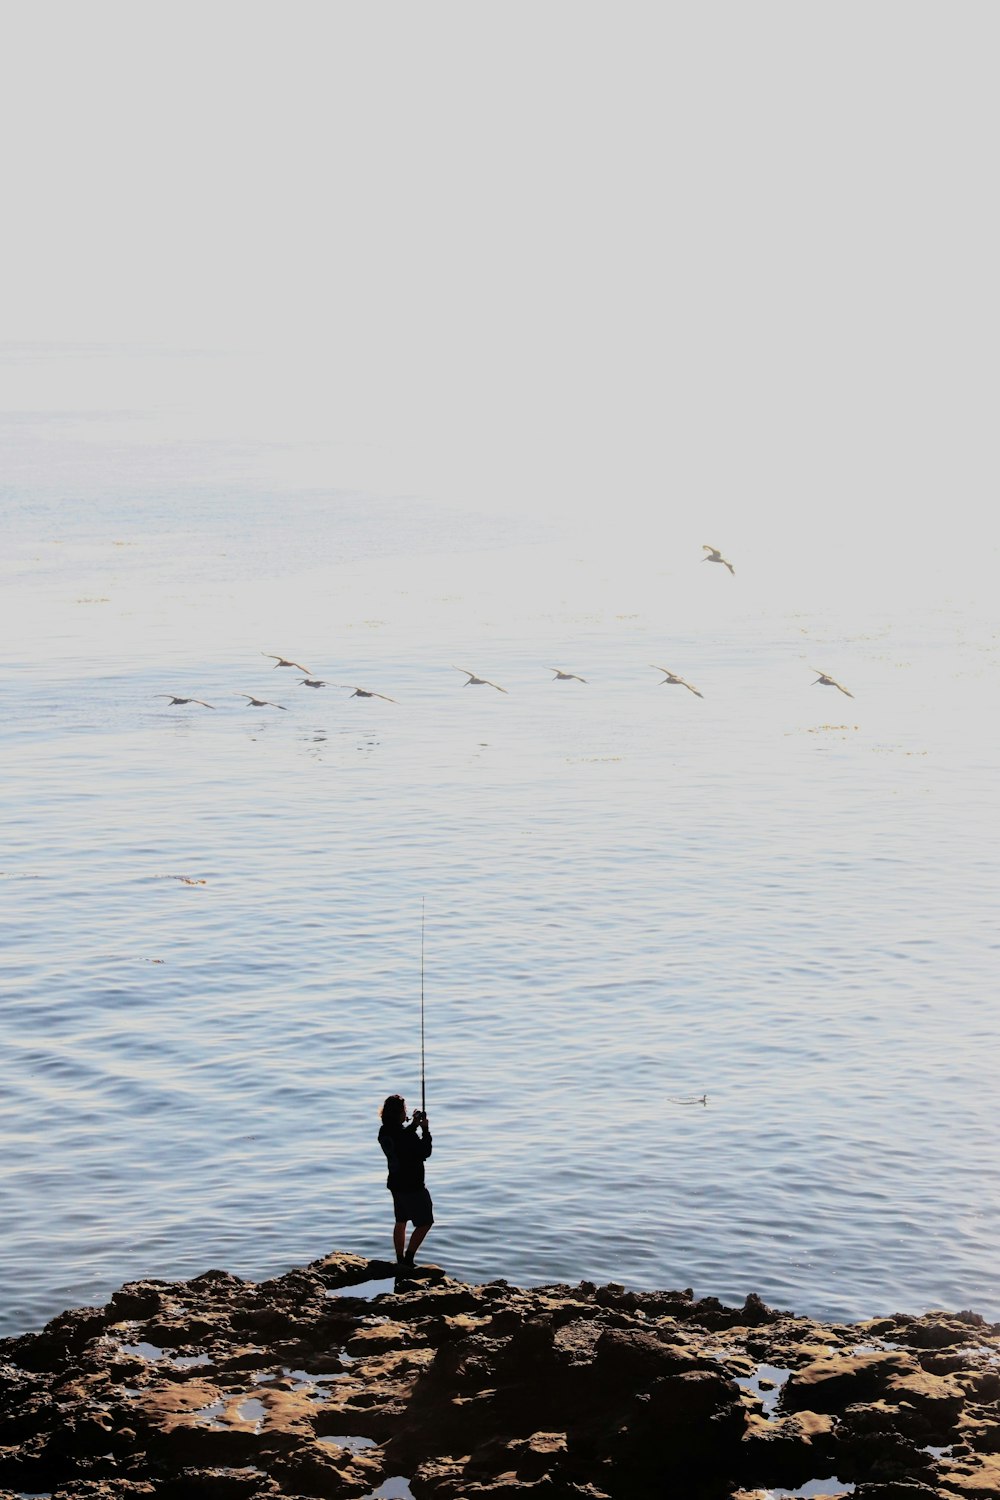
x=341, y=1379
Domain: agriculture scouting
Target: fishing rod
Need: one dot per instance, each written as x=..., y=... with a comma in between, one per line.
x=423, y=1072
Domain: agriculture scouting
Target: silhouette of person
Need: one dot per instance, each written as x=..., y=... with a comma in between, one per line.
x=406, y=1149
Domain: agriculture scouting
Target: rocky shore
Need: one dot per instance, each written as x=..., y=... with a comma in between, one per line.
x=340, y=1379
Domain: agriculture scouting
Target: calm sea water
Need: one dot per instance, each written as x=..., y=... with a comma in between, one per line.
x=775, y=895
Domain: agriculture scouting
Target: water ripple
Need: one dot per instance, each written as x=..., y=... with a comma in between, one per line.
x=625, y=903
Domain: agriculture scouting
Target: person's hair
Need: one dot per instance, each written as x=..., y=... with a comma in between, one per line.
x=393, y=1111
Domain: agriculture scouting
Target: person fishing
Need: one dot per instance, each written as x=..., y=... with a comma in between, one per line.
x=406, y=1147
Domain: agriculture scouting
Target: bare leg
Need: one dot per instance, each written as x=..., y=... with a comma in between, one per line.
x=399, y=1238
x=416, y=1239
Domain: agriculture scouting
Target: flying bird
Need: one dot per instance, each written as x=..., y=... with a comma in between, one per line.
x=714, y=555
x=675, y=681
x=475, y=681
x=829, y=681
x=364, y=692
x=564, y=676
x=174, y=700
x=261, y=702
x=312, y=682
x=279, y=661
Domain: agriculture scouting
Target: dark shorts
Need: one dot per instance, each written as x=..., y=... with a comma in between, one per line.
x=415, y=1206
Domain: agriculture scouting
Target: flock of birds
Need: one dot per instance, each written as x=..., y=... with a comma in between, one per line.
x=473, y=679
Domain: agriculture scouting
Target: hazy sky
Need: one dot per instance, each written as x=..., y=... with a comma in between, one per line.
x=744, y=254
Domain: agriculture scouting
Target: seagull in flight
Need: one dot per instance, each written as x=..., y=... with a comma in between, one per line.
x=562, y=676
x=261, y=702
x=174, y=700
x=279, y=661
x=714, y=555
x=829, y=681
x=357, y=692
x=312, y=682
x=673, y=679
x=475, y=681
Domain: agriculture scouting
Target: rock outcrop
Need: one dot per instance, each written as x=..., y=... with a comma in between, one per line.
x=343, y=1379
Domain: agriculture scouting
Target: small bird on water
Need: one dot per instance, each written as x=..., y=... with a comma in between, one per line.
x=675, y=681
x=261, y=702
x=562, y=676
x=174, y=700
x=714, y=555
x=279, y=661
x=475, y=681
x=828, y=681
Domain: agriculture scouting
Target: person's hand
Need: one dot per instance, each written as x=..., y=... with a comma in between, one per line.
x=419, y=1118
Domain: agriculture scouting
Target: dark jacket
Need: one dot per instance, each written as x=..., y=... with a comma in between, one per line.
x=406, y=1151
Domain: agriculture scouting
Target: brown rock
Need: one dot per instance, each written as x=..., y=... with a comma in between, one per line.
x=786, y=1451
x=976, y=1477
x=896, y=1489
x=533, y=1456
x=838, y=1380
x=939, y=1398
x=633, y=1358
x=324, y=1472
x=601, y=1393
